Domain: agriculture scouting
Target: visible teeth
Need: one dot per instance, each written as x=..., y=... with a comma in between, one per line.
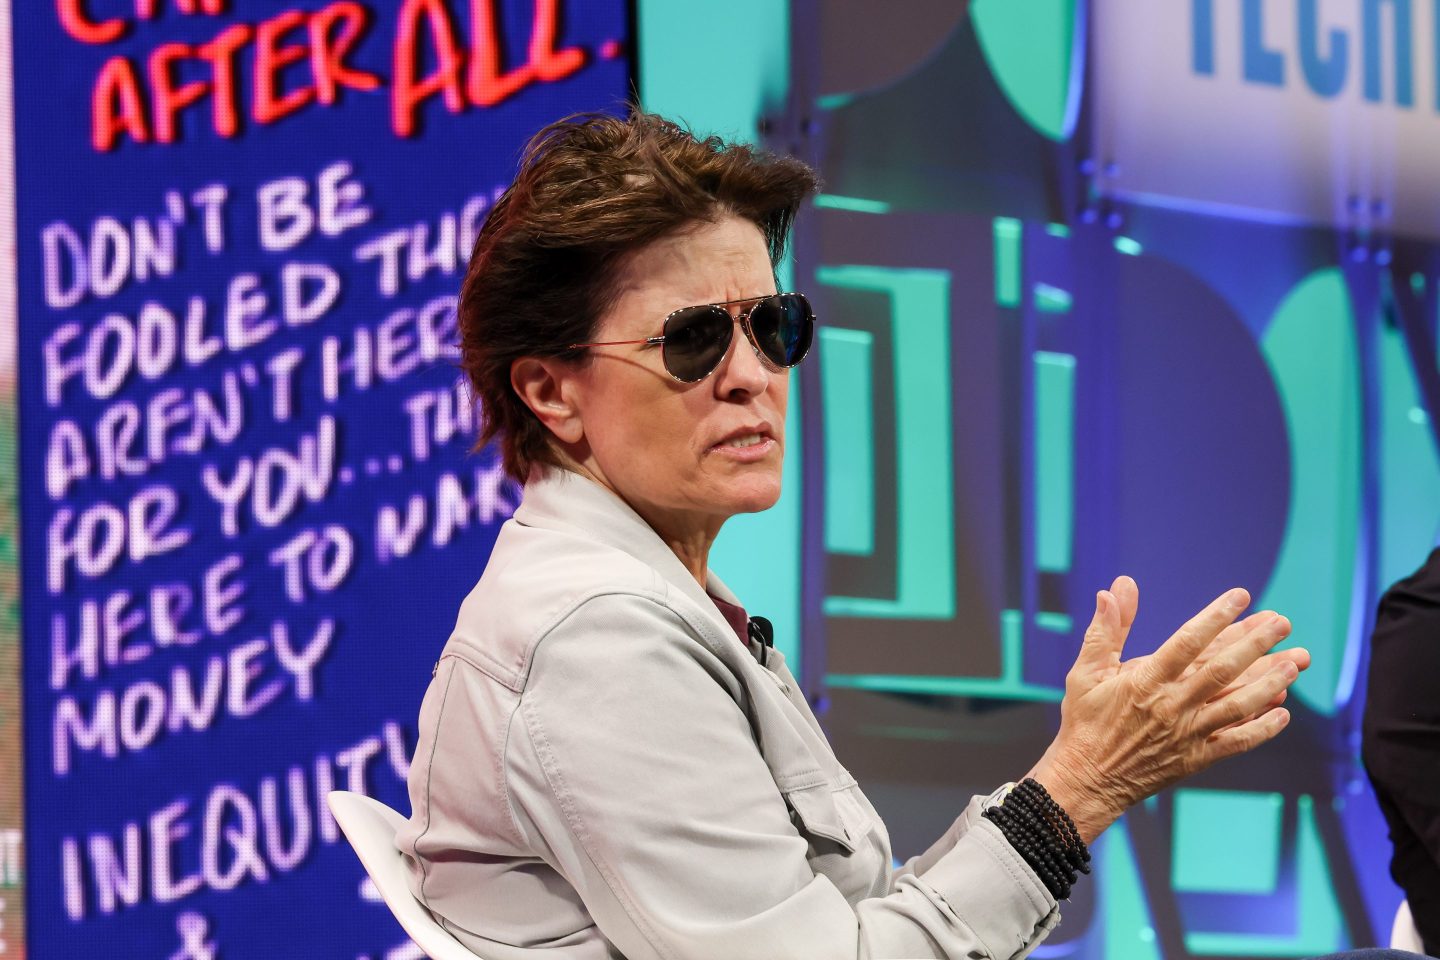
x=748, y=440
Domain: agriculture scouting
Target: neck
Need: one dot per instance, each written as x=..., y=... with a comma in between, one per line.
x=688, y=538
x=693, y=548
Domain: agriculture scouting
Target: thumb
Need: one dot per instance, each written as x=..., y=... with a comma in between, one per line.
x=1127, y=595
x=1103, y=640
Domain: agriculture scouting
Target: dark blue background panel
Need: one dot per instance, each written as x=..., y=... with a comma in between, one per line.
x=248, y=512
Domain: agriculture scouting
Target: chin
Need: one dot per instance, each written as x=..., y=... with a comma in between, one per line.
x=753, y=494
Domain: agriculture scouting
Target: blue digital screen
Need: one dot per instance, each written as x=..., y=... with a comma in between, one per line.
x=249, y=507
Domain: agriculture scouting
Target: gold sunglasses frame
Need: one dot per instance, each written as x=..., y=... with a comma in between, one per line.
x=743, y=319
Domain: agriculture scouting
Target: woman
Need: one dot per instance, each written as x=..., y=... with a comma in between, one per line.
x=611, y=761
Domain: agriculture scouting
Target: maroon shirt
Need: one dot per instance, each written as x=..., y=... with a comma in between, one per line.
x=736, y=616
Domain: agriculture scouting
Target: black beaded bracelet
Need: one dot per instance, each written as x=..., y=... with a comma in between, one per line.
x=1036, y=846
x=1044, y=835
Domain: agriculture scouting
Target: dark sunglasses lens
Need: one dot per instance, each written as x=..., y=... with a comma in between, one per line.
x=696, y=339
x=783, y=326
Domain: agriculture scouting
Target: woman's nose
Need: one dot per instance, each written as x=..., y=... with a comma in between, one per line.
x=743, y=370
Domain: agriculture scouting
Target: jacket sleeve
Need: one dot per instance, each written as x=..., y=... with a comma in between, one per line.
x=633, y=767
x=921, y=863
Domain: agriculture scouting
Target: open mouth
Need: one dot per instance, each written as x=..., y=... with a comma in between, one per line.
x=747, y=440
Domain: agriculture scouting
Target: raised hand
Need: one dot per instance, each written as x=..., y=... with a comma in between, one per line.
x=1130, y=728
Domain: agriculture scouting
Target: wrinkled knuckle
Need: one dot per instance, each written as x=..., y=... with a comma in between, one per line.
x=1217, y=675
x=1232, y=712
x=1187, y=636
x=1247, y=740
x=1145, y=683
x=1166, y=712
x=1217, y=747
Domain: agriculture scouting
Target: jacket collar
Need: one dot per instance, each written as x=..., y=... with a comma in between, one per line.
x=555, y=498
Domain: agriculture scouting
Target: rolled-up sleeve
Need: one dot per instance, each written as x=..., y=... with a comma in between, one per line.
x=633, y=767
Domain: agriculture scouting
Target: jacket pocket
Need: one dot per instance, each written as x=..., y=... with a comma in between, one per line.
x=816, y=815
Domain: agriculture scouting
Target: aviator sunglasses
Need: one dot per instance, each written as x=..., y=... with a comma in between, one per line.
x=693, y=340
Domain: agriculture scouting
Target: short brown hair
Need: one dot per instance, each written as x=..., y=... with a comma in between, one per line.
x=590, y=189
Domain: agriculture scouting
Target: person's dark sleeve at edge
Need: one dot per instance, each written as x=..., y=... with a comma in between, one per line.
x=1401, y=738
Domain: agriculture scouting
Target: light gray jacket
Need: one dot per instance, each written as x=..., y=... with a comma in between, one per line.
x=604, y=770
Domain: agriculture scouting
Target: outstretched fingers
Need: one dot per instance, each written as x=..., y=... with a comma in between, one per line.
x=1296, y=655
x=1229, y=665
x=1175, y=655
x=1249, y=701
x=1228, y=637
x=1245, y=736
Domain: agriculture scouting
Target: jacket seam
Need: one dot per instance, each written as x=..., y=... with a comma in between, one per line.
x=555, y=776
x=516, y=680
x=486, y=664
x=502, y=772
x=501, y=776
x=429, y=777
x=556, y=779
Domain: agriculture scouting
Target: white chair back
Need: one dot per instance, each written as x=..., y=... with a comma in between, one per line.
x=1403, y=935
x=370, y=826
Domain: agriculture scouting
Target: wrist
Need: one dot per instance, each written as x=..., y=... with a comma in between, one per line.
x=1091, y=811
x=1044, y=836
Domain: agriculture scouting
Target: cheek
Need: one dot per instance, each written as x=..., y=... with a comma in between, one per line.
x=637, y=424
x=780, y=391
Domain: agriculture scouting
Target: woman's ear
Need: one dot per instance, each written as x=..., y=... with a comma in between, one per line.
x=546, y=385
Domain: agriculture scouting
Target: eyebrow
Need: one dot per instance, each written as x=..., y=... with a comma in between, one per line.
x=661, y=339
x=726, y=303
